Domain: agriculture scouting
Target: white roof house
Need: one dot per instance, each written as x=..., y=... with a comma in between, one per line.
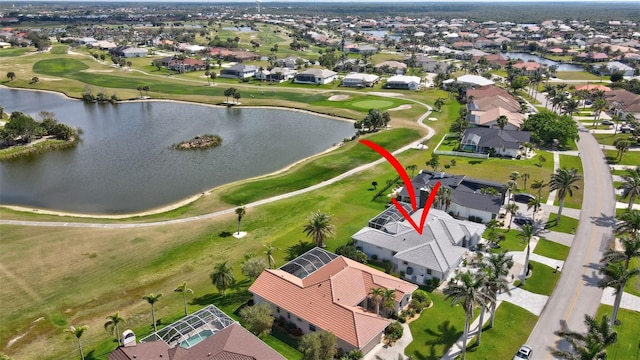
x=474, y=80
x=403, y=82
x=618, y=66
x=433, y=254
x=360, y=80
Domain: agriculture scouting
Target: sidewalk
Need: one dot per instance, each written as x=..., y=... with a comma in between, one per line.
x=629, y=301
x=556, y=166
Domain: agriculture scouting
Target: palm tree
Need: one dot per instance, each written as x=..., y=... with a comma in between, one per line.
x=229, y=92
x=591, y=345
x=222, y=277
x=113, y=323
x=237, y=96
x=534, y=203
x=146, y=89
x=184, y=290
x=497, y=268
x=467, y=289
x=564, y=182
x=631, y=187
x=240, y=212
x=538, y=185
x=438, y=104
x=268, y=252
x=492, y=225
x=502, y=121
x=318, y=227
x=376, y=296
x=389, y=300
x=622, y=145
x=512, y=208
x=525, y=177
x=599, y=105
x=631, y=249
x=11, y=75
x=527, y=233
x=443, y=198
x=629, y=222
x=570, y=107
x=412, y=168
x=77, y=332
x=616, y=276
x=139, y=88
x=153, y=299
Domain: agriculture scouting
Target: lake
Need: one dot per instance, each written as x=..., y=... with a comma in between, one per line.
x=125, y=164
x=541, y=60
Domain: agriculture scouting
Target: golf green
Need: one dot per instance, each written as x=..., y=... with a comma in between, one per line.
x=373, y=104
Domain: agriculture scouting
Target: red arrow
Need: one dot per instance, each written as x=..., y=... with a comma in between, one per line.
x=407, y=184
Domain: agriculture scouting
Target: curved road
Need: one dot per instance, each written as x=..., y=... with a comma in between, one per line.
x=420, y=120
x=576, y=293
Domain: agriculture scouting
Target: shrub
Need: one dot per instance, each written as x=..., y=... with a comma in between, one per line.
x=393, y=331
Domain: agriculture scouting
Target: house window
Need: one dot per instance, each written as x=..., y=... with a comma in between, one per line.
x=278, y=309
x=312, y=327
x=409, y=270
x=405, y=263
x=288, y=315
x=428, y=271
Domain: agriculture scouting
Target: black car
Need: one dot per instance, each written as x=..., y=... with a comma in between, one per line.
x=521, y=220
x=523, y=198
x=607, y=122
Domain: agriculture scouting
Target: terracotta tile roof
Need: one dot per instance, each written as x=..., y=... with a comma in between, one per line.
x=528, y=66
x=329, y=297
x=593, y=87
x=491, y=115
x=484, y=91
x=147, y=351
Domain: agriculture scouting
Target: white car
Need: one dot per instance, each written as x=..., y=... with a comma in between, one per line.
x=524, y=353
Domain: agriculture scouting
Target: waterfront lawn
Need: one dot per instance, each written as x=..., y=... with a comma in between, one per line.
x=513, y=323
x=542, y=281
x=551, y=249
x=323, y=168
x=567, y=225
x=628, y=158
x=628, y=344
x=609, y=139
x=576, y=75
x=572, y=162
x=438, y=327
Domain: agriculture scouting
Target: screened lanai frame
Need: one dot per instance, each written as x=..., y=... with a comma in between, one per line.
x=390, y=214
x=210, y=318
x=307, y=263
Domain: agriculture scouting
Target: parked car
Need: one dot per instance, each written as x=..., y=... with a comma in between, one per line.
x=523, y=198
x=626, y=128
x=523, y=220
x=607, y=122
x=524, y=353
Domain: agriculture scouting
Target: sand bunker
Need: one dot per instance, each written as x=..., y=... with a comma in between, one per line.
x=339, y=98
x=401, y=107
x=98, y=71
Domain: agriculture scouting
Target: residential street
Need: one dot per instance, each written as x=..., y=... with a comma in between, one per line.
x=576, y=293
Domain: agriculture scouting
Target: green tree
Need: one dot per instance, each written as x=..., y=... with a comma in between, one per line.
x=629, y=223
x=152, y=300
x=375, y=294
x=563, y=181
x=113, y=324
x=512, y=208
x=268, y=252
x=222, y=277
x=591, y=345
x=438, y=104
x=412, y=168
x=525, y=177
x=319, y=345
x=319, y=227
x=253, y=267
x=468, y=290
x=631, y=187
x=434, y=162
x=389, y=300
x=257, y=319
x=617, y=277
x=527, y=233
x=502, y=121
x=11, y=75
x=497, y=267
x=237, y=96
x=443, y=198
x=240, y=212
x=184, y=290
x=230, y=92
x=630, y=250
x=547, y=126
x=622, y=145
x=599, y=105
x=538, y=185
x=78, y=332
x=35, y=80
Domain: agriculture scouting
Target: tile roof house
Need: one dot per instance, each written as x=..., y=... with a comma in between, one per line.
x=420, y=257
x=316, y=76
x=467, y=199
x=503, y=142
x=488, y=118
x=489, y=102
x=233, y=342
x=320, y=290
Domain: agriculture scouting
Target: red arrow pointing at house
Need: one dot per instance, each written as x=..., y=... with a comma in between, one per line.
x=407, y=184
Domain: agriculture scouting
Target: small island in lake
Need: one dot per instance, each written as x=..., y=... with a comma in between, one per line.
x=199, y=142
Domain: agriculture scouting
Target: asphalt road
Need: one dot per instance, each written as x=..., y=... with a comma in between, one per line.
x=576, y=293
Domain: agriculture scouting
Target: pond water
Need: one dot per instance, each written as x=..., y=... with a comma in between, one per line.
x=125, y=164
x=541, y=60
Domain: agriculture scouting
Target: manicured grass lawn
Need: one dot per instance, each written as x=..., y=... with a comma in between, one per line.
x=573, y=162
x=511, y=329
x=283, y=343
x=567, y=224
x=633, y=286
x=373, y=104
x=576, y=75
x=511, y=243
x=449, y=144
x=628, y=158
x=628, y=345
x=15, y=51
x=436, y=330
x=59, y=49
x=542, y=281
x=551, y=249
x=325, y=167
x=609, y=139
x=59, y=67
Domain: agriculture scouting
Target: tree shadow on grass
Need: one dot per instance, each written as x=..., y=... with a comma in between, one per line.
x=444, y=336
x=298, y=249
x=231, y=298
